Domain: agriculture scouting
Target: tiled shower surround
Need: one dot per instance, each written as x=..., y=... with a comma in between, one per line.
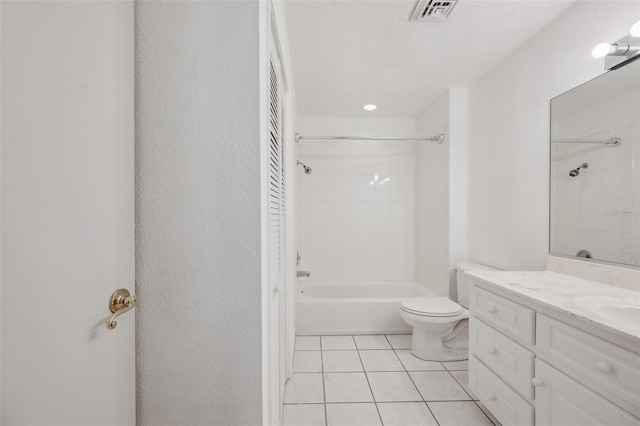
x=356, y=210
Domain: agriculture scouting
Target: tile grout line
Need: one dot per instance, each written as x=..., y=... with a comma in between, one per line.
x=462, y=387
x=324, y=393
x=475, y=401
x=414, y=383
x=381, y=402
x=366, y=376
x=405, y=370
x=486, y=415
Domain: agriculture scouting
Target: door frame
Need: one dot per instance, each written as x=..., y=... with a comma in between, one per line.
x=273, y=23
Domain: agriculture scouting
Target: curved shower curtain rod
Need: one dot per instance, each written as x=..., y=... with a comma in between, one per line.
x=439, y=138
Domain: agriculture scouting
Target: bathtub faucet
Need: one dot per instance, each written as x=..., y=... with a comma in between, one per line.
x=304, y=274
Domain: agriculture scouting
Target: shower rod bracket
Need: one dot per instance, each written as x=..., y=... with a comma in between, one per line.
x=439, y=138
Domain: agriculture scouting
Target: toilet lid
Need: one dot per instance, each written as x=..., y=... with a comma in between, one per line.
x=431, y=306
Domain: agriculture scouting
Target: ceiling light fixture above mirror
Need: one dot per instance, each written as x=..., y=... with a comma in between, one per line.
x=369, y=107
x=635, y=30
x=619, y=53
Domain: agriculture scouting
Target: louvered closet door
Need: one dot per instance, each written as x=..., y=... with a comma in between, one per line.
x=276, y=179
x=277, y=234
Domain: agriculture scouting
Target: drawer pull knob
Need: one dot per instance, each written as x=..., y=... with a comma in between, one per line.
x=492, y=350
x=491, y=397
x=536, y=382
x=492, y=309
x=603, y=368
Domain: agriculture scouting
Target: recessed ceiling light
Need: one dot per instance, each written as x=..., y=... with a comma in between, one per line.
x=369, y=107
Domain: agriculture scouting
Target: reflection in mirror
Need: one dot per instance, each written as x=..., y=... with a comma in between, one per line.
x=595, y=169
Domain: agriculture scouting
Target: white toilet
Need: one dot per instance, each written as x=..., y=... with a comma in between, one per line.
x=440, y=325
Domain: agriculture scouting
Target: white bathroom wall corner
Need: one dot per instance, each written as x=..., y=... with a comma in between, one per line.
x=509, y=131
x=433, y=162
x=458, y=178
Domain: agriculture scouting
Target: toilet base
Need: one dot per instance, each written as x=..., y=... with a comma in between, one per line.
x=428, y=348
x=446, y=355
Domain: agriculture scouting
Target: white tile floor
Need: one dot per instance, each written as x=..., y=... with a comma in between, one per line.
x=375, y=380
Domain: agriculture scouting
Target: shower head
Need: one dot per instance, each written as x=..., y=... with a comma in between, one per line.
x=307, y=169
x=575, y=172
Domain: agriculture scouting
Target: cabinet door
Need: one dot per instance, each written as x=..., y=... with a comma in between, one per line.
x=605, y=368
x=562, y=401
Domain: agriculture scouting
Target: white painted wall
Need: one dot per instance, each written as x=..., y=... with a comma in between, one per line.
x=509, y=131
x=458, y=177
x=199, y=234
x=432, y=198
x=441, y=215
x=334, y=126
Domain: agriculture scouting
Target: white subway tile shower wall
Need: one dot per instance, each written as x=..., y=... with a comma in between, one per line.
x=356, y=210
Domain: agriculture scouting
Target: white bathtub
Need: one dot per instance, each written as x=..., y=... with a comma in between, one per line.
x=354, y=308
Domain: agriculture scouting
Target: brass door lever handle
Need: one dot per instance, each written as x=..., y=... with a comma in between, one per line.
x=121, y=301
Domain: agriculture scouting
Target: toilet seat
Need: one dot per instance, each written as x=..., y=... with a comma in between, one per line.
x=431, y=307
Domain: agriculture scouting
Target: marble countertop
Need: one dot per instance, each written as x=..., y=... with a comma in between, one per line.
x=607, y=307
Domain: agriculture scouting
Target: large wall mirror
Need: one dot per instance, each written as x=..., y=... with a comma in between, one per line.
x=595, y=169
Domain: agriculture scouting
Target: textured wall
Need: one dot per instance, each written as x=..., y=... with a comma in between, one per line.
x=198, y=213
x=509, y=131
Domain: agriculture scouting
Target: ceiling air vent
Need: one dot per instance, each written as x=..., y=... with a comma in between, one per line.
x=433, y=10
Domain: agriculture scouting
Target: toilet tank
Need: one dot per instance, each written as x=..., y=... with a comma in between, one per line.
x=462, y=281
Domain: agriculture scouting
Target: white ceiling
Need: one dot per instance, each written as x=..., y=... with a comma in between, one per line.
x=349, y=53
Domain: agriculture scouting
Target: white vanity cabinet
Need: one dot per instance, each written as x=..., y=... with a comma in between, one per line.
x=532, y=368
x=501, y=360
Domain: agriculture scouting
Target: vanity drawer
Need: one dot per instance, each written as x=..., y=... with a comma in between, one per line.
x=504, y=403
x=508, y=316
x=608, y=369
x=513, y=362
